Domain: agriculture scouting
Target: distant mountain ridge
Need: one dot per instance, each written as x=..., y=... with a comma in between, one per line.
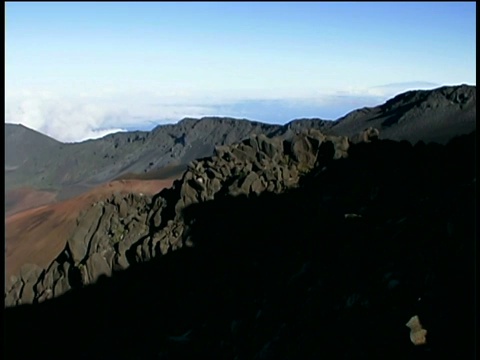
x=292, y=243
x=92, y=162
x=35, y=141
x=33, y=159
x=426, y=115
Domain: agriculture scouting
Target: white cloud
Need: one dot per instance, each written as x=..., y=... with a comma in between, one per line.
x=89, y=116
x=94, y=114
x=60, y=118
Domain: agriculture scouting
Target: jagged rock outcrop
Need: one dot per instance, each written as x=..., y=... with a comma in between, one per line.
x=249, y=168
x=21, y=289
x=122, y=230
x=97, y=247
x=427, y=115
x=101, y=160
x=332, y=267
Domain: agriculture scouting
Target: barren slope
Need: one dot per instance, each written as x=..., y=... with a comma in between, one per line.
x=35, y=160
x=22, y=199
x=38, y=235
x=429, y=115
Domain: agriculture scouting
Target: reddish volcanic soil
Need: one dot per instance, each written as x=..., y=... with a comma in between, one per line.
x=38, y=235
x=25, y=198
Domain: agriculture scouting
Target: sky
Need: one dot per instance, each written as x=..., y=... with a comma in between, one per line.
x=79, y=70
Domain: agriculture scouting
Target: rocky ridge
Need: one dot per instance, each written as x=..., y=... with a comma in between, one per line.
x=432, y=116
x=122, y=230
x=333, y=266
x=52, y=164
x=423, y=115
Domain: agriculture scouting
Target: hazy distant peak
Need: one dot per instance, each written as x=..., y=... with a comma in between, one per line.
x=457, y=93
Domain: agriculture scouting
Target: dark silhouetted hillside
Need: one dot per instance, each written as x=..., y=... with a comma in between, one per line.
x=328, y=259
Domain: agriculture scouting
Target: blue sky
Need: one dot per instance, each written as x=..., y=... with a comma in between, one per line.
x=78, y=70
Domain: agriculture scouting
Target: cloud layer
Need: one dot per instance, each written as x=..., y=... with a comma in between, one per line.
x=88, y=116
x=73, y=119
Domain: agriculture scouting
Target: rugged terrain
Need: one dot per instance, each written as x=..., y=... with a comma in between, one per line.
x=46, y=164
x=300, y=246
x=57, y=166
x=39, y=234
x=313, y=239
x=427, y=115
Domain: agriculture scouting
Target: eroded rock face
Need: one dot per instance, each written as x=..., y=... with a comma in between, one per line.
x=339, y=265
x=78, y=244
x=97, y=247
x=122, y=230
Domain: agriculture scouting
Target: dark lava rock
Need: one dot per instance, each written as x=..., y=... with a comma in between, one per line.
x=321, y=253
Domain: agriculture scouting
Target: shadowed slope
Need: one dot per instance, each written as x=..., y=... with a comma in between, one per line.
x=290, y=276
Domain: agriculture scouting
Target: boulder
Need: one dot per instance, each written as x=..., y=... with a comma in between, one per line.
x=417, y=332
x=120, y=262
x=97, y=265
x=341, y=146
x=215, y=186
x=13, y=296
x=30, y=272
x=123, y=208
x=252, y=143
x=10, y=282
x=164, y=246
x=267, y=146
x=242, y=156
x=45, y=295
x=61, y=286
x=247, y=182
x=365, y=136
x=370, y=134
x=28, y=293
x=258, y=186
x=157, y=218
x=47, y=281
x=302, y=151
x=86, y=227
